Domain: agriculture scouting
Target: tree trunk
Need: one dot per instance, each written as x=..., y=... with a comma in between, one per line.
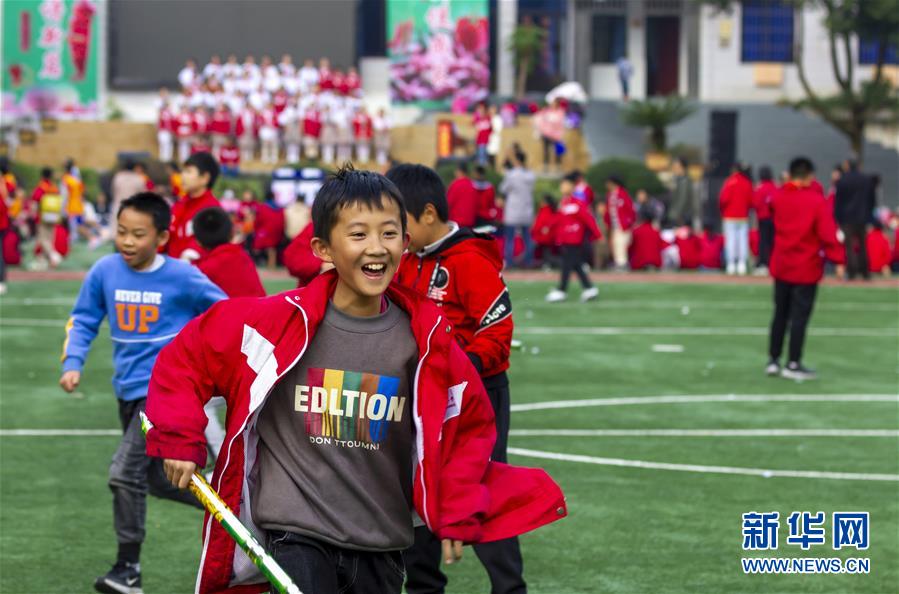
x=857, y=141
x=523, y=67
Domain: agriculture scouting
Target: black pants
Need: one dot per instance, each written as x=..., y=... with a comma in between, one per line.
x=766, y=241
x=320, y=568
x=2, y=259
x=502, y=558
x=573, y=261
x=132, y=474
x=549, y=152
x=792, y=305
x=856, y=262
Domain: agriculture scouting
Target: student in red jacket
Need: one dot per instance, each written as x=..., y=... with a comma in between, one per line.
x=462, y=198
x=879, y=253
x=711, y=247
x=619, y=216
x=198, y=176
x=761, y=203
x=225, y=263
x=544, y=231
x=482, y=129
x=647, y=245
x=803, y=227
x=328, y=389
x=461, y=271
x=689, y=248
x=300, y=259
x=735, y=200
x=489, y=212
x=575, y=227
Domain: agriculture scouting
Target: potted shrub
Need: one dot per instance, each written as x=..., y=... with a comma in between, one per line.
x=656, y=115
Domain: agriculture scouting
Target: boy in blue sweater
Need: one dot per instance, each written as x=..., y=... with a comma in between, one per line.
x=148, y=298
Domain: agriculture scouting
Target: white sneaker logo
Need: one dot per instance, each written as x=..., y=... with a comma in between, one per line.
x=131, y=581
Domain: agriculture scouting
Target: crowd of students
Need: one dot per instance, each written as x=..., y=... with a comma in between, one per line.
x=276, y=111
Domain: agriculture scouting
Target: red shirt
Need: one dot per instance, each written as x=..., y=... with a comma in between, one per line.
x=469, y=288
x=690, y=250
x=166, y=120
x=761, y=199
x=620, y=201
x=712, y=246
x=736, y=197
x=878, y=247
x=487, y=207
x=362, y=126
x=803, y=225
x=544, y=230
x=232, y=269
x=482, y=128
x=221, y=123
x=182, y=237
x=299, y=259
x=575, y=223
x=229, y=156
x=185, y=125
x=646, y=247
x=463, y=202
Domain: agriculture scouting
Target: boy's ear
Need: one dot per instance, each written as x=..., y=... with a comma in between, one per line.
x=163, y=237
x=321, y=249
x=429, y=214
x=407, y=238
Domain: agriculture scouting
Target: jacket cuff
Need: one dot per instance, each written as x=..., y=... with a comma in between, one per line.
x=476, y=361
x=468, y=532
x=190, y=453
x=72, y=364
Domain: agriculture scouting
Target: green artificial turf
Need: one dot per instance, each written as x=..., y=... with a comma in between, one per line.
x=629, y=530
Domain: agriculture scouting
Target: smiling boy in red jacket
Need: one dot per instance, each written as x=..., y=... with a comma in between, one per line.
x=329, y=389
x=461, y=271
x=803, y=227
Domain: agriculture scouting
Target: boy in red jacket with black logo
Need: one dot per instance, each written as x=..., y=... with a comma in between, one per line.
x=198, y=176
x=803, y=226
x=461, y=271
x=330, y=390
x=226, y=264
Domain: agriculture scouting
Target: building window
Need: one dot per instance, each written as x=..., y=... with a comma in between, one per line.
x=867, y=52
x=609, y=38
x=767, y=27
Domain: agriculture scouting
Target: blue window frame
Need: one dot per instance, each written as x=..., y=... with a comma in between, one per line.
x=767, y=31
x=867, y=52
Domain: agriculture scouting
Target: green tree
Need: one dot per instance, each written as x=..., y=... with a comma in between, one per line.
x=857, y=104
x=525, y=43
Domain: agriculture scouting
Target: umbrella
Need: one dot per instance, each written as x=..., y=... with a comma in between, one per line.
x=572, y=91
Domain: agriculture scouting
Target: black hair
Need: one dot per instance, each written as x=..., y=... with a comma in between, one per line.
x=801, y=167
x=521, y=157
x=615, y=180
x=646, y=215
x=4, y=165
x=576, y=175
x=174, y=165
x=877, y=224
x=480, y=171
x=69, y=163
x=212, y=227
x=572, y=176
x=350, y=187
x=205, y=163
x=462, y=166
x=128, y=165
x=420, y=186
x=550, y=201
x=765, y=173
x=46, y=173
x=152, y=204
x=853, y=164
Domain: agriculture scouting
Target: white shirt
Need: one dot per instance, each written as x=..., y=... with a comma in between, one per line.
x=309, y=77
x=187, y=76
x=212, y=71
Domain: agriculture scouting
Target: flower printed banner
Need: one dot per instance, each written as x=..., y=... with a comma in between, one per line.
x=50, y=59
x=439, y=52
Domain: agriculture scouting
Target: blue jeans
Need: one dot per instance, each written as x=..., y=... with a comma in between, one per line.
x=320, y=568
x=481, y=154
x=509, y=238
x=736, y=241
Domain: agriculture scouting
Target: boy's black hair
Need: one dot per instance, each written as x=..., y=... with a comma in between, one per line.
x=765, y=173
x=480, y=171
x=205, y=163
x=212, y=227
x=462, y=166
x=801, y=167
x=572, y=177
x=152, y=204
x=174, y=165
x=4, y=165
x=46, y=173
x=349, y=187
x=576, y=175
x=550, y=201
x=615, y=180
x=420, y=186
x=646, y=215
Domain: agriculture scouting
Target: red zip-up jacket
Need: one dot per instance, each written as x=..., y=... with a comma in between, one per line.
x=462, y=198
x=575, y=224
x=712, y=247
x=803, y=226
x=621, y=201
x=299, y=259
x=878, y=248
x=736, y=196
x=240, y=348
x=544, y=230
x=646, y=247
x=761, y=199
x=182, y=238
x=232, y=269
x=463, y=276
x=486, y=201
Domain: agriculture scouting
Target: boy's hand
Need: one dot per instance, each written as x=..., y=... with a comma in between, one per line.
x=70, y=380
x=452, y=550
x=179, y=472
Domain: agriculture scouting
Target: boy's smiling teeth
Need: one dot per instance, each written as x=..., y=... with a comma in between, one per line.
x=374, y=268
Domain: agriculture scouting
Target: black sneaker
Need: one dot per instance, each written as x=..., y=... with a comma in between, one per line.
x=772, y=368
x=123, y=578
x=796, y=371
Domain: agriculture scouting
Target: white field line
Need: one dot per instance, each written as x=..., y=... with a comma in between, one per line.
x=704, y=432
x=59, y=432
x=758, y=304
x=594, y=330
x=761, y=472
x=687, y=399
x=697, y=331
